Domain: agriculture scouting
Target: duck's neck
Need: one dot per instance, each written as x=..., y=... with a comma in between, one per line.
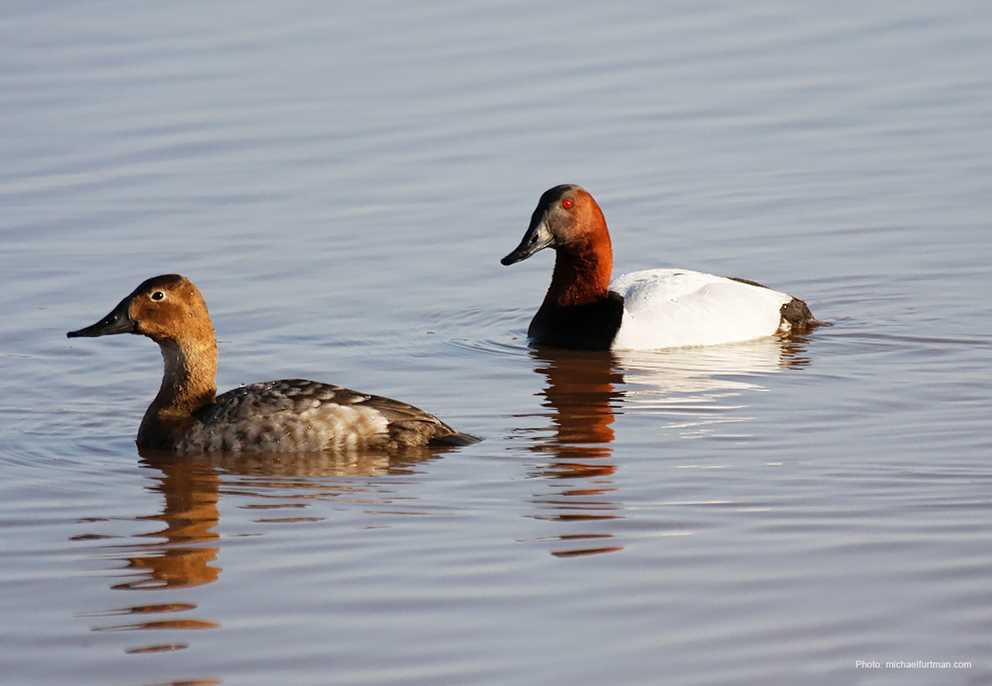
x=582, y=273
x=188, y=383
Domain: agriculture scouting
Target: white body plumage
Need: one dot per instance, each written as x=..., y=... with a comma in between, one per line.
x=673, y=308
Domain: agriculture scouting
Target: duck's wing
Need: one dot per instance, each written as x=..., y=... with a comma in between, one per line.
x=271, y=398
x=670, y=308
x=409, y=425
x=289, y=413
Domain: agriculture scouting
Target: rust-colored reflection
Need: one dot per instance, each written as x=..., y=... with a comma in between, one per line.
x=185, y=557
x=157, y=648
x=580, y=390
x=182, y=552
x=581, y=393
x=692, y=392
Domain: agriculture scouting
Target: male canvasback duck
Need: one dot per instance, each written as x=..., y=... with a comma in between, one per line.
x=645, y=310
x=286, y=416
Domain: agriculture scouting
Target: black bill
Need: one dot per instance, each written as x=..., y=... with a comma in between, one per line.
x=118, y=321
x=538, y=237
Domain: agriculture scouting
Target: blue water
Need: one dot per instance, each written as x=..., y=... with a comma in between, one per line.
x=341, y=181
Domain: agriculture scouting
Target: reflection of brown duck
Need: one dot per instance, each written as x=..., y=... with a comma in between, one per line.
x=190, y=516
x=183, y=554
x=191, y=490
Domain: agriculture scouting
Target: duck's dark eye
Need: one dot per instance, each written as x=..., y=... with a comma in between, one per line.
x=567, y=203
x=158, y=295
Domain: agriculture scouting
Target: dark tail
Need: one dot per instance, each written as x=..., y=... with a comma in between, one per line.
x=455, y=438
x=799, y=317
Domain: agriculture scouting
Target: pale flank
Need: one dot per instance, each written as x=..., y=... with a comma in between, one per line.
x=673, y=308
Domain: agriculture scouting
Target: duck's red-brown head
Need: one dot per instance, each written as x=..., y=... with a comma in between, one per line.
x=164, y=308
x=568, y=219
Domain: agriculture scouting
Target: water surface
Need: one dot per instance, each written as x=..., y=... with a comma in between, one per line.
x=341, y=181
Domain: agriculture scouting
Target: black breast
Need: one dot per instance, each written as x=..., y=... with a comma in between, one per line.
x=592, y=326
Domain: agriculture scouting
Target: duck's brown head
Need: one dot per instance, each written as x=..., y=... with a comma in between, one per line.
x=568, y=219
x=164, y=308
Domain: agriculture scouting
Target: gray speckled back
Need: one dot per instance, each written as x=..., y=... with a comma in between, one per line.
x=296, y=415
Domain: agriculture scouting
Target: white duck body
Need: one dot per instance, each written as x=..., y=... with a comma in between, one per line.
x=674, y=308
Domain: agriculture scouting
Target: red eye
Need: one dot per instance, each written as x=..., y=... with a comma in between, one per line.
x=567, y=203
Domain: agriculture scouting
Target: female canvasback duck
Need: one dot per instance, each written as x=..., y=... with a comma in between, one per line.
x=286, y=416
x=645, y=310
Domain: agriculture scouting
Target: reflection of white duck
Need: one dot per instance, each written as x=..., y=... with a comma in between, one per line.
x=690, y=383
x=696, y=386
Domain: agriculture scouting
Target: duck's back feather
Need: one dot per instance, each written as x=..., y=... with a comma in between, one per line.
x=296, y=415
x=670, y=308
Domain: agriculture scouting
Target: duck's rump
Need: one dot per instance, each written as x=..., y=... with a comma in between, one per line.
x=297, y=415
x=671, y=308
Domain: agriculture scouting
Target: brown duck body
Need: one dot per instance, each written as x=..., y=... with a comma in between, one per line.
x=286, y=416
x=296, y=415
